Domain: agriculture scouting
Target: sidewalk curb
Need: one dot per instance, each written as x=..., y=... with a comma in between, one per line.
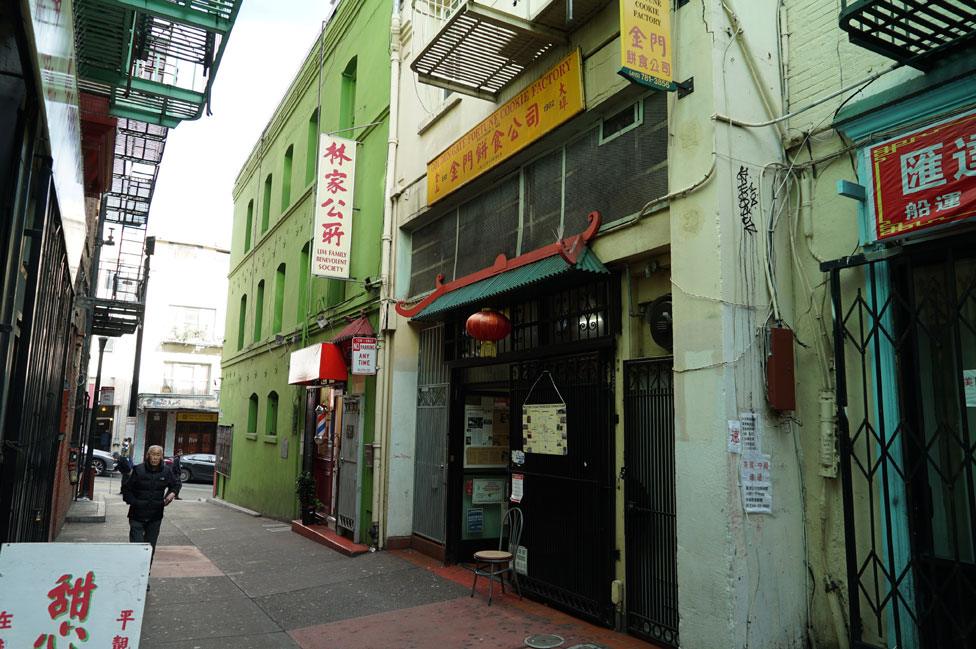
x=243, y=510
x=87, y=511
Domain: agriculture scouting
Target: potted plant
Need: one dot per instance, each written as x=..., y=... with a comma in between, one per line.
x=305, y=490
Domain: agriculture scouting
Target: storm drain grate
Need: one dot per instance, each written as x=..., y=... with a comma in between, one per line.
x=544, y=641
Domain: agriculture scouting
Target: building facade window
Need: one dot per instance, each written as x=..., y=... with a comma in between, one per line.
x=258, y=311
x=615, y=167
x=266, y=205
x=347, y=97
x=248, y=225
x=241, y=319
x=286, y=178
x=271, y=420
x=252, y=414
x=192, y=324
x=186, y=378
x=279, y=299
x=311, y=146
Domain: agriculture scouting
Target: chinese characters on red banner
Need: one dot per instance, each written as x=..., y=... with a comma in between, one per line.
x=333, y=212
x=925, y=178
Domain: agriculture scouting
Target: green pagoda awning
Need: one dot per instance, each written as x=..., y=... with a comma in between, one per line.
x=550, y=267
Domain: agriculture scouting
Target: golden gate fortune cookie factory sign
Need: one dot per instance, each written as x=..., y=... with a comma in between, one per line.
x=645, y=43
x=548, y=102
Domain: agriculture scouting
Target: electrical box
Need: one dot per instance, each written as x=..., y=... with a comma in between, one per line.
x=780, y=380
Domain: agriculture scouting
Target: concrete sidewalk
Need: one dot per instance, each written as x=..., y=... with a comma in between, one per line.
x=223, y=579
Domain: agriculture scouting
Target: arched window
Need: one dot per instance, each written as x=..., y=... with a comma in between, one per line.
x=252, y=414
x=258, y=311
x=311, y=146
x=286, y=178
x=241, y=319
x=266, y=205
x=249, y=225
x=279, y=299
x=271, y=421
x=347, y=98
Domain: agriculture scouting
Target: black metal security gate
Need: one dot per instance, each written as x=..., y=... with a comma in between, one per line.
x=905, y=349
x=649, y=493
x=568, y=501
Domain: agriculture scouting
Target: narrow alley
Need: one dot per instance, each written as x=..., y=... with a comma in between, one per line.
x=225, y=578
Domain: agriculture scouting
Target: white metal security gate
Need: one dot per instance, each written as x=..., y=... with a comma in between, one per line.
x=350, y=461
x=430, y=468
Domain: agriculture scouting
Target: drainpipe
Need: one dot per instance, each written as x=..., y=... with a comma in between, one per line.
x=383, y=379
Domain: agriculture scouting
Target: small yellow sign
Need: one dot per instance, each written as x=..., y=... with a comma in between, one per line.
x=196, y=416
x=548, y=102
x=645, y=43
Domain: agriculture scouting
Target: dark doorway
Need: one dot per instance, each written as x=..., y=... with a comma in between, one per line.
x=155, y=428
x=649, y=493
x=195, y=437
x=568, y=497
x=905, y=344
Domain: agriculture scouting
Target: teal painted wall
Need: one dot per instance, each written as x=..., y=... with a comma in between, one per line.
x=264, y=466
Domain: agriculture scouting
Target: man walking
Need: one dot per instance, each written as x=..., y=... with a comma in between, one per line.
x=150, y=487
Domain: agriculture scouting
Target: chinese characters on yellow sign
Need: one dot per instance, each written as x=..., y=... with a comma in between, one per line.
x=552, y=99
x=645, y=43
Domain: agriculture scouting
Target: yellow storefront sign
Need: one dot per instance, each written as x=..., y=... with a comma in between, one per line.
x=549, y=101
x=196, y=416
x=645, y=43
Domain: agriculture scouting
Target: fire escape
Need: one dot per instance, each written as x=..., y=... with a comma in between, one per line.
x=913, y=32
x=144, y=65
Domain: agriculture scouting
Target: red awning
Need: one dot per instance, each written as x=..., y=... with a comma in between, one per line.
x=315, y=364
x=358, y=327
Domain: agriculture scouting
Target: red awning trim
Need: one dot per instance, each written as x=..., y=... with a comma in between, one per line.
x=569, y=249
x=358, y=327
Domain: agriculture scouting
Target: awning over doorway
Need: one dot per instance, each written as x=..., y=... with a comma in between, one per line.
x=315, y=364
x=358, y=327
x=569, y=255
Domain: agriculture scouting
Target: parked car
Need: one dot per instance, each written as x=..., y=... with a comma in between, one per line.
x=196, y=466
x=103, y=461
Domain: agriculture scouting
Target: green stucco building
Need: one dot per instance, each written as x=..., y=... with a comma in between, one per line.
x=275, y=306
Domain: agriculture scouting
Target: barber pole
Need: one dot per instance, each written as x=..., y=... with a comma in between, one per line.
x=320, y=424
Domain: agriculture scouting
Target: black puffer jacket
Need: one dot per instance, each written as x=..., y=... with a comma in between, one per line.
x=145, y=490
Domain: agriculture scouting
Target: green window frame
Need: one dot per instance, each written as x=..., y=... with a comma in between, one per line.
x=266, y=204
x=258, y=311
x=279, y=298
x=286, y=178
x=252, y=414
x=241, y=320
x=271, y=417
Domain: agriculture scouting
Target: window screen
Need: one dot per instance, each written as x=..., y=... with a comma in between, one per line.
x=619, y=176
x=488, y=226
x=433, y=253
x=543, y=201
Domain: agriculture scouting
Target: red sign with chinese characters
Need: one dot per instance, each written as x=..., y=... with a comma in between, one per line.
x=925, y=178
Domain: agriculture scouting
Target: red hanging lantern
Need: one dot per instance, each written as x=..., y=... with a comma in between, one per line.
x=488, y=325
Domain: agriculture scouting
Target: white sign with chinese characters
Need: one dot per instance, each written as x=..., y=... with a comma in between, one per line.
x=757, y=484
x=749, y=433
x=969, y=387
x=363, y=352
x=332, y=238
x=79, y=594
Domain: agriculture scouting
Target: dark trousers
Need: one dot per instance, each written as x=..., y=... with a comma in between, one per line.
x=145, y=532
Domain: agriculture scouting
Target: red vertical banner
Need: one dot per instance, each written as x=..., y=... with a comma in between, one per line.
x=925, y=178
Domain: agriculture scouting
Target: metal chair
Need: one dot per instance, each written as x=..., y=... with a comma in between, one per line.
x=495, y=563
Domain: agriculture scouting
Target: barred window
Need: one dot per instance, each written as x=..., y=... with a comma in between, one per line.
x=615, y=167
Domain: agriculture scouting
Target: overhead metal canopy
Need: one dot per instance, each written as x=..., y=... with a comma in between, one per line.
x=916, y=32
x=481, y=50
x=568, y=14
